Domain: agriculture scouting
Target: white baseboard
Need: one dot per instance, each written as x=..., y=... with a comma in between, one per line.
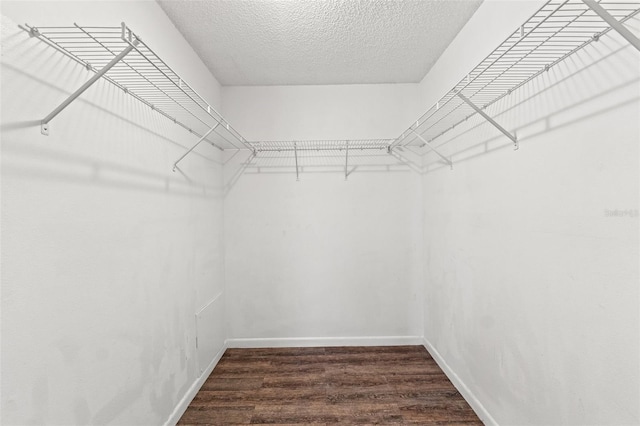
x=193, y=390
x=474, y=402
x=292, y=342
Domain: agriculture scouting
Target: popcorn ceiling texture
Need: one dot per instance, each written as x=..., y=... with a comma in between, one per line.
x=319, y=42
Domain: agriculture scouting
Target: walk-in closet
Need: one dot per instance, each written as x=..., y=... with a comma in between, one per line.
x=320, y=212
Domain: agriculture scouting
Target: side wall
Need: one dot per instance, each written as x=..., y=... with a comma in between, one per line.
x=531, y=257
x=106, y=254
x=322, y=260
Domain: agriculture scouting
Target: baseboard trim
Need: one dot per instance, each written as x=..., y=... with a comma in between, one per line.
x=464, y=390
x=290, y=342
x=193, y=390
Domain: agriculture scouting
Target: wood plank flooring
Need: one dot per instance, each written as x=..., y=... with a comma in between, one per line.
x=344, y=385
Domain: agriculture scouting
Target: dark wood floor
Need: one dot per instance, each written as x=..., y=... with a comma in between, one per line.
x=348, y=385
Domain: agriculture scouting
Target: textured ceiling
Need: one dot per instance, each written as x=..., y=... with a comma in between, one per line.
x=251, y=42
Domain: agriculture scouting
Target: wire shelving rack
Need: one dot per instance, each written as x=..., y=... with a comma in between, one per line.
x=321, y=145
x=120, y=56
x=556, y=31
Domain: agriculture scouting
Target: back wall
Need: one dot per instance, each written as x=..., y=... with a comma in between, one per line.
x=322, y=260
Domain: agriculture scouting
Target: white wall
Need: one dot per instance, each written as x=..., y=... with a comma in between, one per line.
x=106, y=254
x=331, y=261
x=531, y=289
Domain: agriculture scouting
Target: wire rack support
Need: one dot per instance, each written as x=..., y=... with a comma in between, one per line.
x=120, y=56
x=490, y=120
x=431, y=148
x=621, y=29
x=175, y=165
x=557, y=30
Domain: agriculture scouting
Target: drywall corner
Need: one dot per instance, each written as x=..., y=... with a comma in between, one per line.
x=193, y=390
x=464, y=390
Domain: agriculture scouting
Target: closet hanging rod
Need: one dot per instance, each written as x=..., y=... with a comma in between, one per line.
x=556, y=31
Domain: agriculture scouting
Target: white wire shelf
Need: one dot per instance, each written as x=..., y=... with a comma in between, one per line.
x=335, y=148
x=557, y=30
x=143, y=75
x=321, y=145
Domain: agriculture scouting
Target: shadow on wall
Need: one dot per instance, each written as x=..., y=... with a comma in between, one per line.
x=47, y=165
x=334, y=161
x=104, y=138
x=575, y=90
x=598, y=79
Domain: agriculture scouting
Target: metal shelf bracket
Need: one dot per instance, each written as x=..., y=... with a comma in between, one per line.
x=428, y=145
x=44, y=124
x=614, y=23
x=490, y=120
x=175, y=165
